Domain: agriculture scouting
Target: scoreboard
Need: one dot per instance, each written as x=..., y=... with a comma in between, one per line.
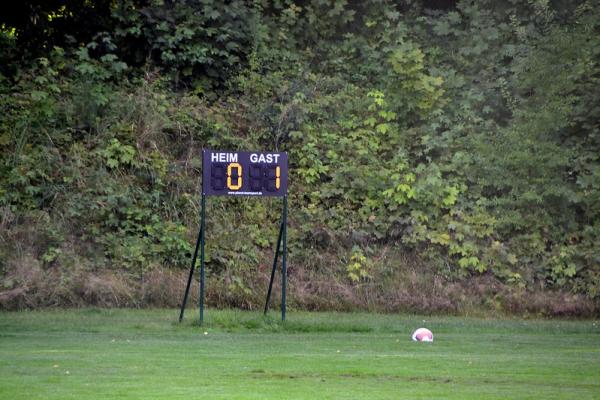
x=244, y=173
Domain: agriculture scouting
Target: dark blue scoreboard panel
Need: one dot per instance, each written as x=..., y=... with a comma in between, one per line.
x=244, y=173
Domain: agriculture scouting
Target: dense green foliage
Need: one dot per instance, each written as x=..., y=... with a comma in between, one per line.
x=120, y=353
x=466, y=136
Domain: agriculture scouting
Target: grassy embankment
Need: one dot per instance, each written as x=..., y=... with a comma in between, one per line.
x=91, y=354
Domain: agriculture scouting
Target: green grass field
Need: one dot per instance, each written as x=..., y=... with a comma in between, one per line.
x=146, y=354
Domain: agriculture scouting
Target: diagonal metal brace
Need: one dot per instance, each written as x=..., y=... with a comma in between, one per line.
x=274, y=267
x=189, y=281
x=281, y=239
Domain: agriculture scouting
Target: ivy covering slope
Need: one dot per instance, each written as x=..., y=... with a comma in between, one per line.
x=458, y=140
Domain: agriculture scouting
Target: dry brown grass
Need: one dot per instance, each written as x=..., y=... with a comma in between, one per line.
x=407, y=287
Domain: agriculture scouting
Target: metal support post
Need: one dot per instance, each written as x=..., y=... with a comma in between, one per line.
x=202, y=240
x=283, y=259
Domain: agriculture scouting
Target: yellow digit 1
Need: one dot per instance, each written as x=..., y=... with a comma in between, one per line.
x=277, y=175
x=238, y=185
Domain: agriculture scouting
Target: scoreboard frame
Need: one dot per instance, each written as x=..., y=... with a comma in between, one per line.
x=244, y=173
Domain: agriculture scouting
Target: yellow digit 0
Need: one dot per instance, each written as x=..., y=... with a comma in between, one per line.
x=238, y=185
